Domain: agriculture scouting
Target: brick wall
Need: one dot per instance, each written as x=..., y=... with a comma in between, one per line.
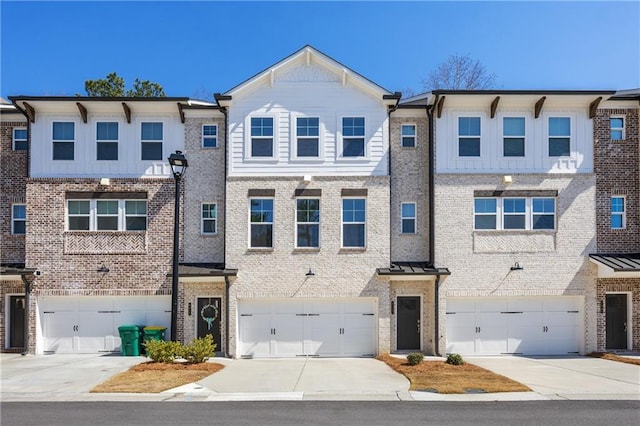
x=617, y=168
x=606, y=285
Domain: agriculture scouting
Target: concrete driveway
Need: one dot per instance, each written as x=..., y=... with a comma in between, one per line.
x=568, y=377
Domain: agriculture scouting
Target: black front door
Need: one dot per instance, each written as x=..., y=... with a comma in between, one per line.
x=408, y=323
x=209, y=313
x=16, y=321
x=617, y=321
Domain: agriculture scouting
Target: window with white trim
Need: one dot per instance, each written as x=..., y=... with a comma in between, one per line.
x=354, y=215
x=559, y=136
x=151, y=137
x=308, y=222
x=408, y=218
x=107, y=141
x=261, y=223
x=261, y=136
x=616, y=124
x=408, y=136
x=19, y=138
x=353, y=144
x=209, y=136
x=106, y=215
x=513, y=136
x=514, y=213
x=209, y=218
x=307, y=137
x=63, y=140
x=18, y=219
x=618, y=212
x=469, y=136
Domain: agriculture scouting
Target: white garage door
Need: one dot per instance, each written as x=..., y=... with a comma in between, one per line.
x=525, y=325
x=90, y=324
x=315, y=327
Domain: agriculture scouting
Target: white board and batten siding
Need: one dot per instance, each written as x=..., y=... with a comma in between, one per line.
x=308, y=91
x=85, y=163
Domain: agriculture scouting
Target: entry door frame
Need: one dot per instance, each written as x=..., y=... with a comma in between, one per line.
x=7, y=318
x=629, y=316
x=420, y=316
x=196, y=312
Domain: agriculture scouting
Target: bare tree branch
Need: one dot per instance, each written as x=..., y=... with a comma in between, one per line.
x=459, y=72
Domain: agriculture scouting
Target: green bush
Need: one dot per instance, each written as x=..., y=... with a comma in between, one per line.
x=455, y=359
x=415, y=358
x=163, y=351
x=199, y=350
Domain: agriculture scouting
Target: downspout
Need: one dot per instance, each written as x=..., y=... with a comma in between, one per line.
x=226, y=310
x=436, y=340
x=390, y=110
x=432, y=227
x=27, y=291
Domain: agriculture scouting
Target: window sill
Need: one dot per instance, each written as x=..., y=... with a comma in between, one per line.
x=352, y=249
x=209, y=147
x=306, y=249
x=259, y=249
x=261, y=160
x=208, y=234
x=353, y=159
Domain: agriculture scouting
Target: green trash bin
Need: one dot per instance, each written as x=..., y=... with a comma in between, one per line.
x=154, y=333
x=130, y=340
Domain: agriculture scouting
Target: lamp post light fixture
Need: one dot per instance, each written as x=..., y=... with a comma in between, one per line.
x=179, y=165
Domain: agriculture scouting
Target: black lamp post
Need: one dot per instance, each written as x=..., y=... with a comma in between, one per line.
x=179, y=165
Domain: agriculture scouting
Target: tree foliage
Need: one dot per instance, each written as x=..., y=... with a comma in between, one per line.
x=113, y=86
x=459, y=72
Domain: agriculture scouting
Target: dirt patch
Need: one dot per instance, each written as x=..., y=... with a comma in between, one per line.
x=613, y=357
x=440, y=377
x=154, y=377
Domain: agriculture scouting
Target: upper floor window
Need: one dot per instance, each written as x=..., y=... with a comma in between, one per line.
x=618, y=213
x=261, y=223
x=63, y=140
x=543, y=213
x=485, y=213
x=106, y=215
x=408, y=135
x=353, y=137
x=107, y=140
x=18, y=219
x=534, y=213
x=307, y=136
x=469, y=136
x=617, y=128
x=209, y=218
x=353, y=222
x=209, y=136
x=514, y=212
x=408, y=219
x=151, y=140
x=261, y=136
x=559, y=136
x=20, y=139
x=308, y=222
x=513, y=136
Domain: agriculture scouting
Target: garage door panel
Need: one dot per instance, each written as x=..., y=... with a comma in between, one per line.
x=93, y=330
x=562, y=318
x=492, y=333
x=59, y=333
x=461, y=332
x=461, y=305
x=358, y=334
x=95, y=303
x=288, y=333
x=525, y=305
x=498, y=305
x=560, y=304
x=322, y=335
x=255, y=334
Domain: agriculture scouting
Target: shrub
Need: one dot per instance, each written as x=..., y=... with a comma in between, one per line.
x=199, y=350
x=415, y=358
x=163, y=351
x=454, y=359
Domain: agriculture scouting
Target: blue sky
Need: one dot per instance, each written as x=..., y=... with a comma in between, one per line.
x=197, y=48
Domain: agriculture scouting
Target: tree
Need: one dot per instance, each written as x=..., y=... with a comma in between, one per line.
x=113, y=86
x=459, y=72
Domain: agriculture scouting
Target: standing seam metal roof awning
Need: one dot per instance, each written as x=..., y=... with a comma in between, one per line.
x=412, y=269
x=204, y=270
x=617, y=264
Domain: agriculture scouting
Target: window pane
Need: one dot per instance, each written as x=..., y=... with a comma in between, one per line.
x=469, y=147
x=107, y=132
x=514, y=147
x=514, y=222
x=136, y=223
x=513, y=126
x=78, y=207
x=107, y=207
x=616, y=221
x=308, y=236
x=209, y=130
x=408, y=142
x=107, y=151
x=559, y=147
x=559, y=126
x=353, y=147
x=261, y=126
x=616, y=122
x=136, y=207
x=261, y=235
x=308, y=126
x=19, y=227
x=617, y=204
x=209, y=226
x=485, y=205
x=616, y=135
x=151, y=132
x=469, y=126
x=352, y=126
x=63, y=150
x=408, y=226
x=308, y=147
x=408, y=130
x=543, y=221
x=63, y=131
x=152, y=151
x=261, y=147
x=107, y=223
x=20, y=134
x=79, y=223
x=544, y=205
x=353, y=235
x=19, y=211
x=485, y=222
x=514, y=205
x=208, y=211
x=408, y=210
x=20, y=145
x=261, y=210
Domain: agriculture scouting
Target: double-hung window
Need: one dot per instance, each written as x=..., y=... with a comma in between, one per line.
x=261, y=136
x=543, y=213
x=151, y=136
x=209, y=136
x=408, y=219
x=107, y=140
x=209, y=218
x=618, y=213
x=485, y=213
x=353, y=144
x=469, y=136
x=135, y=212
x=106, y=215
x=522, y=213
x=354, y=215
x=79, y=215
x=559, y=136
x=261, y=223
x=63, y=140
x=20, y=139
x=513, y=136
x=408, y=135
x=617, y=128
x=514, y=213
x=308, y=222
x=308, y=136
x=18, y=219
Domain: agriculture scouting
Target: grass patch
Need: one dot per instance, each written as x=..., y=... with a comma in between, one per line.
x=154, y=377
x=613, y=357
x=440, y=377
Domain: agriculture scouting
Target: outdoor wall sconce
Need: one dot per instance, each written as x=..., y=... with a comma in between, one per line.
x=307, y=178
x=393, y=308
x=516, y=267
x=310, y=273
x=105, y=181
x=103, y=269
x=507, y=179
x=189, y=309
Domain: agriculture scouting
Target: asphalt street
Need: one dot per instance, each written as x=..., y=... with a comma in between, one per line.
x=578, y=413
